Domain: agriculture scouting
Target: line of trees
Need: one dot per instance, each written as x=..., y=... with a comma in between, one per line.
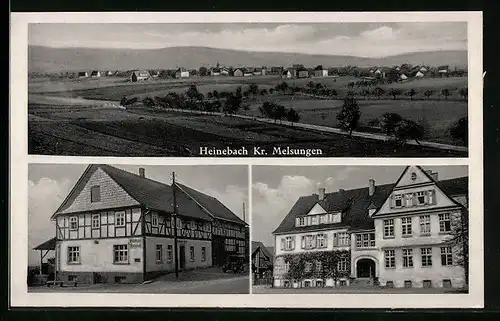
x=278, y=112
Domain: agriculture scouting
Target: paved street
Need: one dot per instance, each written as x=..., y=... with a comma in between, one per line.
x=353, y=290
x=207, y=281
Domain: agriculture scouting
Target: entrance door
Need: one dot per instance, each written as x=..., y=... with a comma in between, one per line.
x=365, y=268
x=182, y=257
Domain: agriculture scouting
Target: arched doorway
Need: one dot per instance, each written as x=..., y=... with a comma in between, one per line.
x=365, y=268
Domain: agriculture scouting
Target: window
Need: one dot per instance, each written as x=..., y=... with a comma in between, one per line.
x=407, y=284
x=444, y=222
x=407, y=258
x=446, y=256
x=314, y=220
x=426, y=254
x=307, y=284
x=365, y=240
x=73, y=223
x=307, y=267
x=319, y=266
x=389, y=284
x=432, y=199
x=96, y=221
x=427, y=284
x=344, y=238
x=154, y=220
x=95, y=194
x=319, y=284
x=406, y=226
x=321, y=240
x=409, y=200
x=421, y=198
x=119, y=219
x=73, y=254
x=398, y=200
x=169, y=253
x=389, y=228
x=191, y=253
x=159, y=253
x=120, y=253
x=288, y=243
x=203, y=254
x=425, y=225
x=302, y=221
x=447, y=283
x=390, y=259
x=342, y=264
x=310, y=242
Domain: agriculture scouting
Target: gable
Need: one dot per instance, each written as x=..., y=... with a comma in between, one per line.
x=317, y=209
x=413, y=182
x=112, y=195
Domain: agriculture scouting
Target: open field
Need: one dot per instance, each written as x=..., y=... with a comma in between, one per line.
x=111, y=131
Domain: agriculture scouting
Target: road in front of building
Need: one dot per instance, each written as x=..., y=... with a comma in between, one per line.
x=203, y=281
x=354, y=290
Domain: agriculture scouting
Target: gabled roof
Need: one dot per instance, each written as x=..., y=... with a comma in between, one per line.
x=354, y=205
x=156, y=195
x=258, y=245
x=181, y=69
x=319, y=67
x=302, y=69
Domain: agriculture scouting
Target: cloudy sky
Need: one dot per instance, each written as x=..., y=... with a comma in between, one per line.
x=275, y=189
x=49, y=185
x=356, y=39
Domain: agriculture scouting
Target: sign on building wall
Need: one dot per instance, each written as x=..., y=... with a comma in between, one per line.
x=135, y=242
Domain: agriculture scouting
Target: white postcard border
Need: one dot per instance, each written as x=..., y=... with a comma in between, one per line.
x=20, y=159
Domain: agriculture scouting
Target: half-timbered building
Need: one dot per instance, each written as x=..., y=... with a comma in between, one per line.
x=394, y=235
x=116, y=226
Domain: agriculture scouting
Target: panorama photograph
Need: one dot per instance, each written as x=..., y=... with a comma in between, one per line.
x=248, y=89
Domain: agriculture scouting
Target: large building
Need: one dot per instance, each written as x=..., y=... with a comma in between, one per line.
x=393, y=235
x=116, y=226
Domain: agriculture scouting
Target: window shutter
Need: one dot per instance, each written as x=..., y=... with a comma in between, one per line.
x=282, y=243
x=303, y=242
x=297, y=222
x=325, y=236
x=433, y=194
x=293, y=243
x=403, y=200
x=392, y=201
x=414, y=198
x=427, y=197
x=335, y=239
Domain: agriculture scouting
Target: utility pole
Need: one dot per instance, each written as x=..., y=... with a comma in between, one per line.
x=174, y=215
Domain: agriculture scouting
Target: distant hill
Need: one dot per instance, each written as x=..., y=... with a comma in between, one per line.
x=47, y=59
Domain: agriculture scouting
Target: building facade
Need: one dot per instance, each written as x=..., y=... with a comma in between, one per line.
x=119, y=227
x=393, y=235
x=182, y=73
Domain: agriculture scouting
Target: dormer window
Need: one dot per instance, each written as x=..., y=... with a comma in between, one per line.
x=154, y=220
x=95, y=194
x=337, y=218
x=302, y=221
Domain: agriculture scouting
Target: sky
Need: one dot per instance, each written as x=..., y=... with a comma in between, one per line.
x=49, y=184
x=275, y=189
x=354, y=39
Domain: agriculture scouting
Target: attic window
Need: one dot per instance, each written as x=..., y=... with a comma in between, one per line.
x=95, y=194
x=302, y=221
x=337, y=218
x=413, y=176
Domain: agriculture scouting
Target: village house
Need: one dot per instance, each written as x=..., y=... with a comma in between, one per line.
x=238, y=72
x=302, y=72
x=181, y=73
x=224, y=71
x=95, y=74
x=287, y=74
x=419, y=74
x=319, y=71
x=119, y=227
x=275, y=71
x=139, y=75
x=82, y=74
x=403, y=77
x=394, y=235
x=260, y=71
x=262, y=258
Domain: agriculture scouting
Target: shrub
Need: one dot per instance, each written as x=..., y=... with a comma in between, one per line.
x=459, y=130
x=407, y=130
x=388, y=122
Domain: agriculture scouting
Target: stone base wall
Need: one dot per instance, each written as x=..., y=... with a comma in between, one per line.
x=101, y=277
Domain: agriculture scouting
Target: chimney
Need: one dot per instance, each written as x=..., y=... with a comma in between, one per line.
x=432, y=174
x=142, y=172
x=321, y=194
x=371, y=186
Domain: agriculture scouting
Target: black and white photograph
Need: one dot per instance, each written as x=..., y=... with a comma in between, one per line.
x=138, y=229
x=360, y=229
x=354, y=89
